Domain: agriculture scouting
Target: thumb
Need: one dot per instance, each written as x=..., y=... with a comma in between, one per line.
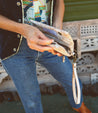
x=45, y=42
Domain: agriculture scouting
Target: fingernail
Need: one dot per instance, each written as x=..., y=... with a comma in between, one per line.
x=58, y=54
x=52, y=40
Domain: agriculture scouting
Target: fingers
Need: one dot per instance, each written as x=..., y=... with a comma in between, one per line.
x=39, y=47
x=40, y=39
x=43, y=48
x=41, y=42
x=55, y=53
x=42, y=36
x=44, y=42
x=59, y=54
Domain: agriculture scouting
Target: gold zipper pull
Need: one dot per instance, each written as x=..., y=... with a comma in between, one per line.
x=63, y=59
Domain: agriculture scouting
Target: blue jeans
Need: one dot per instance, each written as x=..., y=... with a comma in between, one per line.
x=22, y=69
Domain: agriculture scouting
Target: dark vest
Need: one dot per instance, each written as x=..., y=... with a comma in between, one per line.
x=9, y=41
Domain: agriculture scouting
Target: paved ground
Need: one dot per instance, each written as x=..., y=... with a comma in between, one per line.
x=51, y=104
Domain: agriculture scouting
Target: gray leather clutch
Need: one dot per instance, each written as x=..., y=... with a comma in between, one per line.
x=63, y=42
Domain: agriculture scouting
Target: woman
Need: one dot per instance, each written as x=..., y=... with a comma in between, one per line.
x=21, y=45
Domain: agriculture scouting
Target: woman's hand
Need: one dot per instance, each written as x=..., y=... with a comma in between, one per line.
x=36, y=39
